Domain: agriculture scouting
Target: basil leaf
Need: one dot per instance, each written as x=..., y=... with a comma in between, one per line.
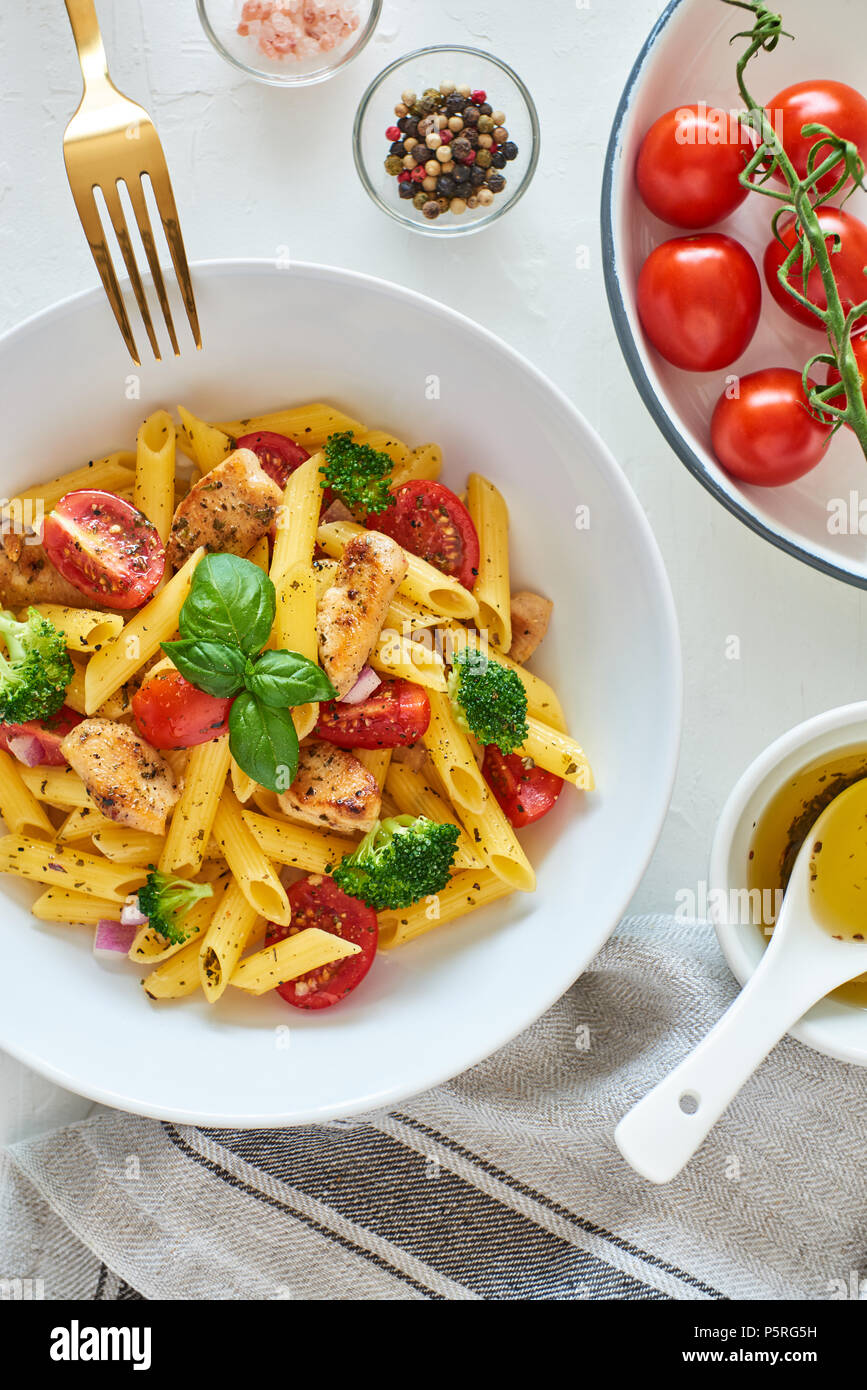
x=230, y=600
x=214, y=667
x=263, y=742
x=281, y=679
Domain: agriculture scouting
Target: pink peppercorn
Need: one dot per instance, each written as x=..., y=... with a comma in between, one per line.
x=404, y=175
x=392, y=133
x=447, y=136
x=417, y=174
x=470, y=158
x=479, y=96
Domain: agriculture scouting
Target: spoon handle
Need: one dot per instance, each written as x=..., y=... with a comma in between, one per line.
x=660, y=1134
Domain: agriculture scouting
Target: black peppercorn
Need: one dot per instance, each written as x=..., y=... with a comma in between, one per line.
x=421, y=154
x=477, y=175
x=397, y=147
x=406, y=189
x=485, y=109
x=401, y=124
x=471, y=115
x=460, y=148
x=411, y=127
x=471, y=135
x=510, y=149
x=461, y=174
x=498, y=159
x=454, y=104
x=446, y=186
x=496, y=183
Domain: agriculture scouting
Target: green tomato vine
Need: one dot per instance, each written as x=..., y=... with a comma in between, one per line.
x=829, y=155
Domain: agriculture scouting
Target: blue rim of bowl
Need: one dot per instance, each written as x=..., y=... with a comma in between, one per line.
x=656, y=407
x=305, y=80
x=432, y=228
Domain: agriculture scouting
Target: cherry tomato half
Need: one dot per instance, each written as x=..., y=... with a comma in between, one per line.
x=688, y=166
x=832, y=104
x=49, y=733
x=767, y=434
x=278, y=454
x=429, y=520
x=397, y=712
x=859, y=346
x=106, y=547
x=699, y=299
x=318, y=902
x=847, y=263
x=171, y=713
x=525, y=792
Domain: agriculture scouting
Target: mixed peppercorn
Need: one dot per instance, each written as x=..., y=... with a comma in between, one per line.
x=448, y=148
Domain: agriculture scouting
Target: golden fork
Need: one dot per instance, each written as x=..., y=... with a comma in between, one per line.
x=109, y=143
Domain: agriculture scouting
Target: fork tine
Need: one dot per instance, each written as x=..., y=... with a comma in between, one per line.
x=88, y=213
x=124, y=240
x=142, y=217
x=165, y=200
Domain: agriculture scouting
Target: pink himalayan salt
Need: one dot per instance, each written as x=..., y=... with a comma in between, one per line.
x=297, y=28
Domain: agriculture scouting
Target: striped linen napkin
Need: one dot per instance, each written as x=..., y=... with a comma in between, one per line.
x=503, y=1184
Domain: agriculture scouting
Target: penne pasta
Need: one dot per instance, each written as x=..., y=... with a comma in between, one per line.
x=395, y=655
x=122, y=845
x=423, y=464
x=150, y=947
x=243, y=785
x=309, y=425
x=247, y=861
x=287, y=959
x=176, y=977
x=291, y=571
x=223, y=943
x=207, y=445
x=57, y=786
x=452, y=756
x=110, y=474
x=492, y=589
x=110, y=668
x=300, y=846
x=79, y=871
x=465, y=892
x=154, y=492
x=82, y=824
x=84, y=629
x=386, y=443
x=496, y=841
x=193, y=818
x=376, y=760
x=63, y=905
x=413, y=795
x=18, y=805
x=558, y=753
x=423, y=584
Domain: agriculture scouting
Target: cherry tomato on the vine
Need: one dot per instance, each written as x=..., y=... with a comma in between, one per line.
x=846, y=239
x=689, y=164
x=766, y=434
x=819, y=102
x=699, y=299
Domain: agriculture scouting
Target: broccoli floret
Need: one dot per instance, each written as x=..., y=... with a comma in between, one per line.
x=488, y=699
x=358, y=474
x=399, y=861
x=165, y=901
x=35, y=671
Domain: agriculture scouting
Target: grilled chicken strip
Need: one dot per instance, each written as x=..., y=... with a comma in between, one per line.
x=127, y=779
x=31, y=578
x=530, y=617
x=350, y=615
x=228, y=509
x=332, y=788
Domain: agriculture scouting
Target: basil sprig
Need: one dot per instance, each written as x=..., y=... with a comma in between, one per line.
x=224, y=624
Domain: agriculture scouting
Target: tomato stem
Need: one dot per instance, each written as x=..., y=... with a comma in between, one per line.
x=802, y=199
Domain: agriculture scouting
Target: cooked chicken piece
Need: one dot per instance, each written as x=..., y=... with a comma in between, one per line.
x=413, y=754
x=31, y=578
x=336, y=511
x=332, y=788
x=350, y=615
x=129, y=781
x=228, y=509
x=530, y=617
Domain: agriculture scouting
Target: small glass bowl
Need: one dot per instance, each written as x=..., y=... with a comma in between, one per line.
x=220, y=19
x=416, y=72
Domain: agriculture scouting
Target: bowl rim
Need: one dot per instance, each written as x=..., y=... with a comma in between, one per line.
x=434, y=229
x=671, y=723
x=738, y=946
x=628, y=346
x=304, y=79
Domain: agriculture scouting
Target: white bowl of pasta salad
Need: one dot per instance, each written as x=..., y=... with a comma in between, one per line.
x=338, y=718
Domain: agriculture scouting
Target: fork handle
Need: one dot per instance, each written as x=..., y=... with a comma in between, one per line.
x=88, y=41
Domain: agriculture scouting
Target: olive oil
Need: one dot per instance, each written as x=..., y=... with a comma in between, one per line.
x=783, y=827
x=838, y=868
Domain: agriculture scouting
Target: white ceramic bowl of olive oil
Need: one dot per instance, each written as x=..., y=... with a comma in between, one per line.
x=767, y=815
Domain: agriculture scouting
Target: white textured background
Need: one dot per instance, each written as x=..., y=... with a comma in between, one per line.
x=257, y=168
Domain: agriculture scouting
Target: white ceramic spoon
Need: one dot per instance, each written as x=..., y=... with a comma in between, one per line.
x=803, y=963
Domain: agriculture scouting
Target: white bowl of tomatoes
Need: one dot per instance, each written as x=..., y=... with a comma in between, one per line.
x=716, y=345
x=430, y=1008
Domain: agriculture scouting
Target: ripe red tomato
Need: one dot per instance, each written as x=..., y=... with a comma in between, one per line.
x=847, y=264
x=767, y=435
x=318, y=902
x=172, y=713
x=832, y=104
x=429, y=520
x=860, y=348
x=106, y=547
x=699, y=299
x=278, y=454
x=525, y=792
x=397, y=712
x=688, y=166
x=43, y=737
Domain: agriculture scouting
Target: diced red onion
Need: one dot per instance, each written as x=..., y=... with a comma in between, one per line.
x=131, y=915
x=364, y=686
x=27, y=748
x=112, y=939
